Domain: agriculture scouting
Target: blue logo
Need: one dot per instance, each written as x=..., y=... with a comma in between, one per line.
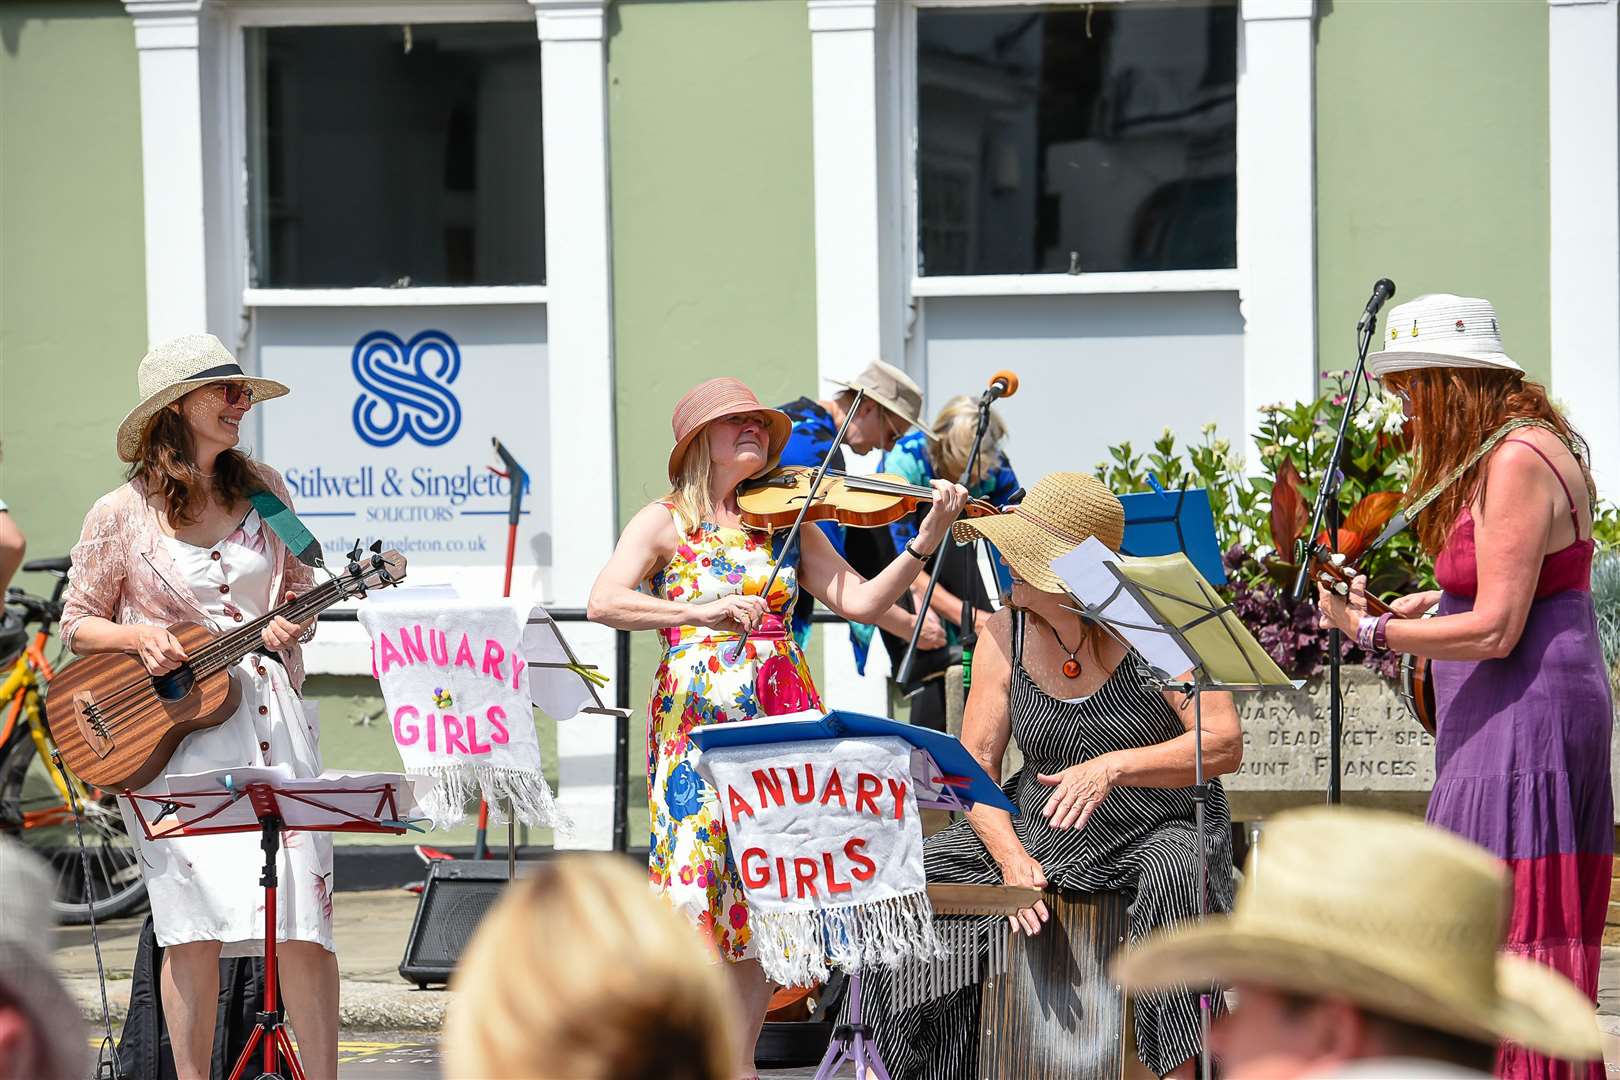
x=406, y=388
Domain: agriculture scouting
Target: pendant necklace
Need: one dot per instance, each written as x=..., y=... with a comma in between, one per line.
x=1071, y=666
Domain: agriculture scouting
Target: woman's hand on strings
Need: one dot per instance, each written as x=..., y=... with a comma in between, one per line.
x=281, y=633
x=1342, y=612
x=1021, y=870
x=1415, y=605
x=949, y=499
x=159, y=650
x=1080, y=789
x=735, y=612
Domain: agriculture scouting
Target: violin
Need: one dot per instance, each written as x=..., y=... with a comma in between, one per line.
x=774, y=500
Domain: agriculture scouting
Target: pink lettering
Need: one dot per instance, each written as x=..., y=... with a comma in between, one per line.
x=493, y=655
x=464, y=655
x=414, y=654
x=390, y=655
x=452, y=734
x=495, y=715
x=439, y=648
x=473, y=745
x=406, y=735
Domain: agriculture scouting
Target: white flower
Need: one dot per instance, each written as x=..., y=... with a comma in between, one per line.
x=1209, y=428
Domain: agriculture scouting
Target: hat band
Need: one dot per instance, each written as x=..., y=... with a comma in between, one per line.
x=1039, y=522
x=219, y=372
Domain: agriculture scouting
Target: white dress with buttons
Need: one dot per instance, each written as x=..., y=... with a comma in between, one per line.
x=206, y=888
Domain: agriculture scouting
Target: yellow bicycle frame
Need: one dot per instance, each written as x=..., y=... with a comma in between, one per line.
x=20, y=691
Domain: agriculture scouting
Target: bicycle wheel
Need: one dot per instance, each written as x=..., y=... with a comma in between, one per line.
x=31, y=810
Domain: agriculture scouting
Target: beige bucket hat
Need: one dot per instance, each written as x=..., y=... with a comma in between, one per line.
x=889, y=387
x=27, y=974
x=175, y=368
x=709, y=401
x=1384, y=911
x=1060, y=512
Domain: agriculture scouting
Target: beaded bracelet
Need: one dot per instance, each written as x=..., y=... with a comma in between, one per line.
x=1365, y=631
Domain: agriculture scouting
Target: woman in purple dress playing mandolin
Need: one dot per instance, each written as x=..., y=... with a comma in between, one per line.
x=180, y=542
x=1522, y=695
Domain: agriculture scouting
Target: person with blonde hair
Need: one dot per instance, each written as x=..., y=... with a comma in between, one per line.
x=580, y=973
x=688, y=567
x=917, y=457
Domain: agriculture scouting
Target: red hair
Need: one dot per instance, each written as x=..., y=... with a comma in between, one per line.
x=1454, y=410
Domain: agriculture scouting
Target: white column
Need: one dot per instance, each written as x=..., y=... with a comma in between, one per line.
x=1584, y=196
x=167, y=44
x=1276, y=183
x=579, y=319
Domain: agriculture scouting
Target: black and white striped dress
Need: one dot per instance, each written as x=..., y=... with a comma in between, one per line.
x=1139, y=840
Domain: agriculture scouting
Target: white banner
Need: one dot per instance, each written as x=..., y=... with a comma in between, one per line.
x=826, y=838
x=455, y=679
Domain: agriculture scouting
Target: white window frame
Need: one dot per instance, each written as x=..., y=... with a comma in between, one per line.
x=863, y=62
x=194, y=152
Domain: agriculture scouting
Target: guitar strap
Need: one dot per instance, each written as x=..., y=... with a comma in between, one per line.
x=1398, y=524
x=285, y=524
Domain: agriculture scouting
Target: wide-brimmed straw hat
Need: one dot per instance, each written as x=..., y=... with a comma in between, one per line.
x=174, y=369
x=1060, y=512
x=889, y=387
x=27, y=976
x=1384, y=911
x=709, y=401
x=1441, y=330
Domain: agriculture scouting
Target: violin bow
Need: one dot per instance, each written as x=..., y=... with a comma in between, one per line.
x=798, y=522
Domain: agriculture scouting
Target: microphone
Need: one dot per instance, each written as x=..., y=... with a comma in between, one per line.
x=1002, y=384
x=1382, y=291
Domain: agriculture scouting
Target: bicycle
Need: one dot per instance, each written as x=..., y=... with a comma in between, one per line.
x=37, y=797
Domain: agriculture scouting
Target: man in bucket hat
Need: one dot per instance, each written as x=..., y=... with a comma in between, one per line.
x=892, y=406
x=41, y=1036
x=1365, y=944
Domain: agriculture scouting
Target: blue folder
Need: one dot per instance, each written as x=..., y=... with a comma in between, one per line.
x=1161, y=522
x=948, y=753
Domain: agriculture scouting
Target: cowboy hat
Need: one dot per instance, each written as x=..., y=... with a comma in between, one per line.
x=175, y=368
x=1060, y=512
x=889, y=387
x=1384, y=911
x=27, y=976
x=709, y=401
x=1441, y=330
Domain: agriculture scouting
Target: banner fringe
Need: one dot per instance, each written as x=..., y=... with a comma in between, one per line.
x=457, y=785
x=800, y=948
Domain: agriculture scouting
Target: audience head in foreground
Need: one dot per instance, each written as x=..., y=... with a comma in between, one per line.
x=580, y=972
x=41, y=1036
x=1365, y=944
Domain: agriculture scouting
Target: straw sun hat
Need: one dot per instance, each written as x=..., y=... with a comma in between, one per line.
x=1386, y=912
x=889, y=387
x=709, y=401
x=1057, y=515
x=174, y=369
x=27, y=976
x=1441, y=330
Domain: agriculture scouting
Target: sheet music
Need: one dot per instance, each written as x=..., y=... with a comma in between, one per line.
x=1085, y=571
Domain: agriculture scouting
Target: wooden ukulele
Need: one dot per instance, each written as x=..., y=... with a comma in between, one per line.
x=1416, y=686
x=117, y=725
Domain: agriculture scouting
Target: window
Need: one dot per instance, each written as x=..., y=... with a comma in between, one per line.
x=1097, y=139
x=395, y=156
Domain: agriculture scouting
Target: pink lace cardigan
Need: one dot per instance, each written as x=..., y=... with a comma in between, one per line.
x=122, y=570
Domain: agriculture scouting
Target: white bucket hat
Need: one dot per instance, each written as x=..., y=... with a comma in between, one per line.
x=1385, y=911
x=26, y=972
x=1441, y=330
x=173, y=369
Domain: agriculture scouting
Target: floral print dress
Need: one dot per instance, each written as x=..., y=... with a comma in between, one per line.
x=689, y=860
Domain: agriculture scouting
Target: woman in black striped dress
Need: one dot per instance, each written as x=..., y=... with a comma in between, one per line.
x=1104, y=796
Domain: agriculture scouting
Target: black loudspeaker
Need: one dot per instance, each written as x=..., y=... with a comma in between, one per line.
x=457, y=894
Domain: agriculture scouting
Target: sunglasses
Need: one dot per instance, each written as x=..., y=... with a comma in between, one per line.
x=236, y=393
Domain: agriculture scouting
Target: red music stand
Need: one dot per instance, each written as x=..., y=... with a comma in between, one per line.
x=270, y=802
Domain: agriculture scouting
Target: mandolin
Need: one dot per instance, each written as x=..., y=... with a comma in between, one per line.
x=117, y=726
x=1417, y=688
x=774, y=500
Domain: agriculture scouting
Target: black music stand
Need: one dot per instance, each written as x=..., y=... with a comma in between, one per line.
x=373, y=803
x=1162, y=608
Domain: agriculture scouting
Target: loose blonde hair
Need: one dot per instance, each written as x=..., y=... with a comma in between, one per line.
x=690, y=496
x=950, y=440
x=580, y=972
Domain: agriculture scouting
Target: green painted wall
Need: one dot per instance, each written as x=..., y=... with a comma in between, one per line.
x=713, y=232
x=1431, y=162
x=72, y=269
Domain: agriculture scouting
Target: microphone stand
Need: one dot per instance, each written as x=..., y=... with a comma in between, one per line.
x=968, y=637
x=1327, y=507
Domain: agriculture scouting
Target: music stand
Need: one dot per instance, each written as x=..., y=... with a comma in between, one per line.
x=270, y=801
x=1164, y=609
x=1161, y=522
x=944, y=777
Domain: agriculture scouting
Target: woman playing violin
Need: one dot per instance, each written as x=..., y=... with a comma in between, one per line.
x=687, y=567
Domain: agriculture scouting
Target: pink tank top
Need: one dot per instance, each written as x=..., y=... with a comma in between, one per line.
x=1457, y=571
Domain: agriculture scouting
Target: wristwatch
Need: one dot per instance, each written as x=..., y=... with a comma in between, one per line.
x=915, y=554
